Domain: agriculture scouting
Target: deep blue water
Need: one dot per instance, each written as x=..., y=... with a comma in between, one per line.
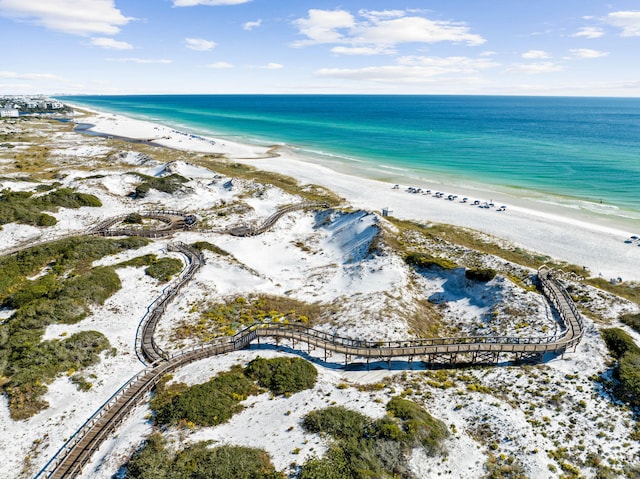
x=578, y=148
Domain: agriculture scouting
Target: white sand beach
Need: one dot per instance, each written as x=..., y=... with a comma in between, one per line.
x=594, y=241
x=333, y=268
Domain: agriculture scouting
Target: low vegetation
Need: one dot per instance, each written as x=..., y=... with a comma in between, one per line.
x=631, y=320
x=162, y=269
x=312, y=193
x=27, y=208
x=155, y=461
x=166, y=184
x=480, y=274
x=207, y=404
x=627, y=369
x=205, y=245
x=283, y=375
x=425, y=260
x=62, y=291
x=365, y=448
x=217, y=400
x=226, y=319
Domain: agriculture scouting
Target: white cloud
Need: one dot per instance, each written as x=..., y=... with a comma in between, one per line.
x=220, y=65
x=535, y=68
x=363, y=50
x=415, y=29
x=375, y=16
x=272, y=66
x=110, y=44
x=30, y=76
x=589, y=32
x=77, y=17
x=380, y=30
x=252, y=25
x=140, y=60
x=629, y=21
x=587, y=53
x=193, y=3
x=321, y=26
x=199, y=44
x=413, y=69
x=535, y=55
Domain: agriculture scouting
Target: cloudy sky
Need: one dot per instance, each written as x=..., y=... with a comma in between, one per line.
x=541, y=47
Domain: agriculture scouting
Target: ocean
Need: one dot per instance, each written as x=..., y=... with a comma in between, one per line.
x=579, y=152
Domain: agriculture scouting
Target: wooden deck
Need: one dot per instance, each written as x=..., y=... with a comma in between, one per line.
x=78, y=450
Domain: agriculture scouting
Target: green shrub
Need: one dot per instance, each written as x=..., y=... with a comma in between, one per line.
x=283, y=375
x=419, y=426
x=224, y=319
x=141, y=190
x=39, y=363
x=619, y=342
x=62, y=295
x=337, y=421
x=631, y=320
x=210, y=403
x=424, y=260
x=133, y=219
x=629, y=375
x=205, y=245
x=366, y=449
x=166, y=184
x=138, y=261
x=334, y=465
x=198, y=461
x=480, y=274
x=24, y=207
x=164, y=269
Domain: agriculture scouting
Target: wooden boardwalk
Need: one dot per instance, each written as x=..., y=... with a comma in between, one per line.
x=78, y=450
x=69, y=461
x=271, y=220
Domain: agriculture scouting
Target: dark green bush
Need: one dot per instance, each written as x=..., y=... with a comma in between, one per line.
x=133, y=219
x=372, y=449
x=164, y=269
x=210, y=403
x=24, y=207
x=141, y=190
x=619, y=342
x=62, y=295
x=419, y=426
x=480, y=274
x=205, y=245
x=166, y=184
x=424, y=260
x=198, y=461
x=629, y=376
x=39, y=363
x=627, y=369
x=337, y=421
x=631, y=320
x=333, y=465
x=283, y=375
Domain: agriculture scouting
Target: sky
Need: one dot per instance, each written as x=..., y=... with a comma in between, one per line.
x=508, y=47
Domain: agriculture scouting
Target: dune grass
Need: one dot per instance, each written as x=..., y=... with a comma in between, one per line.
x=62, y=291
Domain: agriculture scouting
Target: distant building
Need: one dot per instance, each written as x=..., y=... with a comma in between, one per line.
x=9, y=113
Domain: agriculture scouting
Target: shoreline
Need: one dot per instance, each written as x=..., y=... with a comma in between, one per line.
x=559, y=232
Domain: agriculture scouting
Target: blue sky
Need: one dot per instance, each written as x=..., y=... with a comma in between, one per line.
x=521, y=47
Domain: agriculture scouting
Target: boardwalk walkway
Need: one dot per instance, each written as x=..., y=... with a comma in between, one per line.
x=78, y=450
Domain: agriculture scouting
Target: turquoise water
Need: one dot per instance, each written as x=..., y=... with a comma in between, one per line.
x=579, y=149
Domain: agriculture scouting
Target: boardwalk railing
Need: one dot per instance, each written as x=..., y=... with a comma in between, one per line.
x=77, y=451
x=271, y=220
x=70, y=459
